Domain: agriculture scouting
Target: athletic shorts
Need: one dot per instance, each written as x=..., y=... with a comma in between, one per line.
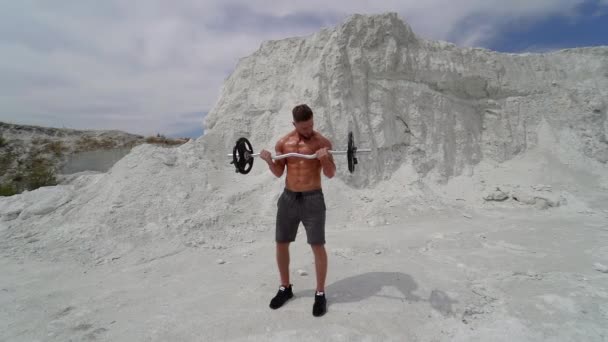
x=307, y=207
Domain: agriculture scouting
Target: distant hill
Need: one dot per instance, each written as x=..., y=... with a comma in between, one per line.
x=33, y=156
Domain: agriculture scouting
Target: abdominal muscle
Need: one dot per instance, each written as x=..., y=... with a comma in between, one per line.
x=302, y=174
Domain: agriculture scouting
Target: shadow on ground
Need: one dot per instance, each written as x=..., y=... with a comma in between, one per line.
x=363, y=286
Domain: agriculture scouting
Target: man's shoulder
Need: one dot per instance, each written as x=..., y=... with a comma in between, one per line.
x=322, y=139
x=284, y=139
x=286, y=136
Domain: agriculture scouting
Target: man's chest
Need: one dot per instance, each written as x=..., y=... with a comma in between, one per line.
x=301, y=146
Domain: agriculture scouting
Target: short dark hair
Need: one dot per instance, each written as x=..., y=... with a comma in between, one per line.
x=301, y=113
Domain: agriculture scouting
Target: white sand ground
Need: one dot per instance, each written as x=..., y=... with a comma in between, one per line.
x=501, y=275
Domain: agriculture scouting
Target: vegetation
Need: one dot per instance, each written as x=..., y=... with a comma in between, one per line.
x=160, y=139
x=30, y=173
x=55, y=147
x=38, y=173
x=7, y=157
x=7, y=190
x=29, y=168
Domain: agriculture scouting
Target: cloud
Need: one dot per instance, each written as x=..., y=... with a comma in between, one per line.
x=132, y=65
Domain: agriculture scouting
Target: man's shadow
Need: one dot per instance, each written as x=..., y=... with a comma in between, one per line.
x=366, y=285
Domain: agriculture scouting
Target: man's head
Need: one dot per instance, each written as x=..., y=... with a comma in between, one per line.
x=303, y=121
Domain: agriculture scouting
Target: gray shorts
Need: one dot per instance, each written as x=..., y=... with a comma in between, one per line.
x=307, y=207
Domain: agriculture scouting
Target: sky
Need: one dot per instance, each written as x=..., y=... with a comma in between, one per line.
x=156, y=67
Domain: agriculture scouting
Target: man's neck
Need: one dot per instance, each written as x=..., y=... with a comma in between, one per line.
x=301, y=137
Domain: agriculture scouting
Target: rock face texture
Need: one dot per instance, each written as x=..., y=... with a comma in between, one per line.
x=443, y=107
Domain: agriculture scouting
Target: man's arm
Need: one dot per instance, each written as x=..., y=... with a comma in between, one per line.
x=327, y=160
x=277, y=167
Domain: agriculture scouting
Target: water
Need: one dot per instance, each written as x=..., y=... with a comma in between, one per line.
x=100, y=160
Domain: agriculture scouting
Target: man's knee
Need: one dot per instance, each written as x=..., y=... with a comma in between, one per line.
x=283, y=245
x=318, y=247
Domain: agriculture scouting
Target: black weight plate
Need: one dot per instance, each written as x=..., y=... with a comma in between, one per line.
x=241, y=156
x=351, y=153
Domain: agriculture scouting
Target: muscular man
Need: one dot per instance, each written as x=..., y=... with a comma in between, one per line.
x=301, y=201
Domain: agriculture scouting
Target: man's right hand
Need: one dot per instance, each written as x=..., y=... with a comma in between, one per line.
x=265, y=155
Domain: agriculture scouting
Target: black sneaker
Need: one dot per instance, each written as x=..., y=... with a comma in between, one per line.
x=320, y=306
x=284, y=294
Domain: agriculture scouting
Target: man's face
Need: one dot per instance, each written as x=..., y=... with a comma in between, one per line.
x=304, y=128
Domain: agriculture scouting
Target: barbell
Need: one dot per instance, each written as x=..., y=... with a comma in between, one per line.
x=242, y=155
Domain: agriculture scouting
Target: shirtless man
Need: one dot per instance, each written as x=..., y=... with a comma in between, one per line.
x=301, y=201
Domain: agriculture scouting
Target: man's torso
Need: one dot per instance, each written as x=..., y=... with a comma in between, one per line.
x=303, y=174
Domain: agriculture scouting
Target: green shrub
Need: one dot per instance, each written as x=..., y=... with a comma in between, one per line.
x=39, y=173
x=7, y=190
x=7, y=157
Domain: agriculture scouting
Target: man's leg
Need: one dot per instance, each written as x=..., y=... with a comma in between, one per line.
x=314, y=222
x=285, y=292
x=286, y=230
x=320, y=265
x=283, y=262
x=320, y=306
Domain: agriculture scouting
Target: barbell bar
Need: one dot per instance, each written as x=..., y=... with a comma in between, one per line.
x=242, y=155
